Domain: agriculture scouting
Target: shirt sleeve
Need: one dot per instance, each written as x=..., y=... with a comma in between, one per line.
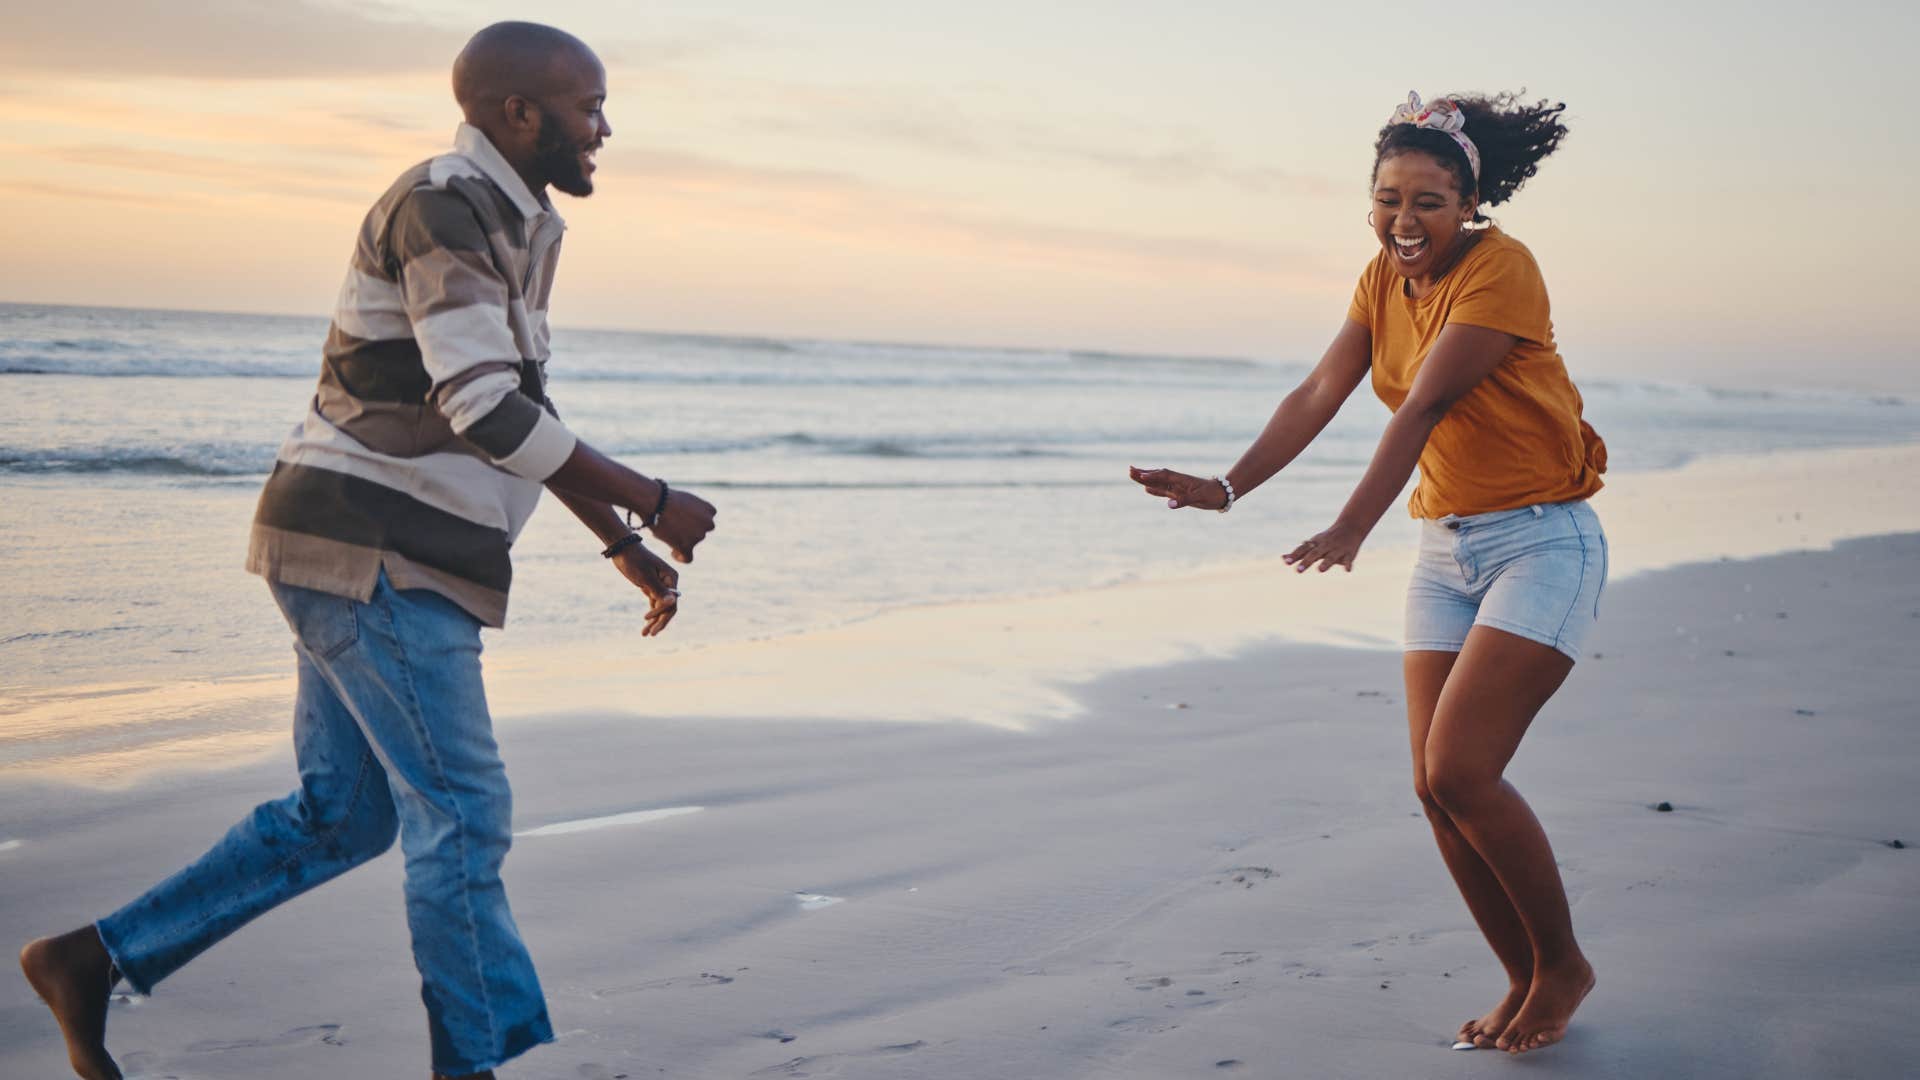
x=456, y=301
x=1504, y=292
x=1364, y=293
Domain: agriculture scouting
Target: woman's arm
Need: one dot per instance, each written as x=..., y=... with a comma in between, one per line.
x=1300, y=418
x=1460, y=358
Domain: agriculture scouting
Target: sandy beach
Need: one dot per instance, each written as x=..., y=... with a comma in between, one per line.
x=972, y=748
x=1210, y=866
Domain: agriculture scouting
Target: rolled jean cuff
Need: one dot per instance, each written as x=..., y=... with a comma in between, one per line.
x=132, y=977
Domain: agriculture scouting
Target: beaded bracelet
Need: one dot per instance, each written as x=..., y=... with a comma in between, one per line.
x=1228, y=487
x=632, y=539
x=659, y=507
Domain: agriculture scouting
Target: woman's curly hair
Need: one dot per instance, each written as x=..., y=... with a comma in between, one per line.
x=1512, y=137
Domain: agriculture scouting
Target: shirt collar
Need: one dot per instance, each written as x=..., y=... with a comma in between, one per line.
x=473, y=144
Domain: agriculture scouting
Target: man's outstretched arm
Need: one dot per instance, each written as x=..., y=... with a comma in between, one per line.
x=650, y=573
x=592, y=477
x=456, y=304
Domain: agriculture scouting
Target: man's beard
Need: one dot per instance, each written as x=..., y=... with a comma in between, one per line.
x=559, y=160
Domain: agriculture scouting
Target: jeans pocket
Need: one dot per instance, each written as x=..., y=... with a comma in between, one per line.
x=325, y=625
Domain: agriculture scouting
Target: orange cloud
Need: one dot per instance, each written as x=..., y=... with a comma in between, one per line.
x=220, y=38
x=822, y=201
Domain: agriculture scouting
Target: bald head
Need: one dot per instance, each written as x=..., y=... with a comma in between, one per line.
x=539, y=94
x=521, y=59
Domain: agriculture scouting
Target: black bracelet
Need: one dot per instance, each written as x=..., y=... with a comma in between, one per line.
x=630, y=540
x=659, y=507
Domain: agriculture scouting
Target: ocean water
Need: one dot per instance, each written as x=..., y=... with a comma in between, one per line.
x=852, y=478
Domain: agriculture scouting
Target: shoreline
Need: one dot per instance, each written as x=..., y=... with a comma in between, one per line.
x=999, y=662
x=1223, y=863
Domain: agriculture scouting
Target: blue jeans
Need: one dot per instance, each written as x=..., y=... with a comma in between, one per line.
x=391, y=735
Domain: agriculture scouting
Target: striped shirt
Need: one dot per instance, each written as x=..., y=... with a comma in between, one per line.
x=423, y=450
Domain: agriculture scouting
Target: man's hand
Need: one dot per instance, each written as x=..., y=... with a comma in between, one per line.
x=1179, y=489
x=655, y=578
x=589, y=478
x=686, y=521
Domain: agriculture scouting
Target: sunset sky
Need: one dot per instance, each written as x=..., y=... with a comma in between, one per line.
x=1734, y=203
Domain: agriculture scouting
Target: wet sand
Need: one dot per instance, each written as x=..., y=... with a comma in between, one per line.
x=1206, y=868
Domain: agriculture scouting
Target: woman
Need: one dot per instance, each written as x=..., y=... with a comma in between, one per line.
x=1451, y=320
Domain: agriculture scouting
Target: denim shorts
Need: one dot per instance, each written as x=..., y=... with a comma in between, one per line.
x=1536, y=572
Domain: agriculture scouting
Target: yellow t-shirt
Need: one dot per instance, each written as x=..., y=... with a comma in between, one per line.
x=1516, y=438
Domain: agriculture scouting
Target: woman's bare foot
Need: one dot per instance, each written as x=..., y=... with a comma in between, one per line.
x=1484, y=1031
x=1555, y=994
x=74, y=976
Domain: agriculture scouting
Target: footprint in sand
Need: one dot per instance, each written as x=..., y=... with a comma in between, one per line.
x=591, y=1071
x=1157, y=982
x=1244, y=876
x=1143, y=1025
x=328, y=1034
x=829, y=1064
x=693, y=982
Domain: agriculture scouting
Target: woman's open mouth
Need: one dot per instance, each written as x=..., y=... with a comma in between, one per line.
x=1408, y=249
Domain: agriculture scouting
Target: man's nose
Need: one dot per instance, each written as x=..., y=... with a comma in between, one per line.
x=606, y=130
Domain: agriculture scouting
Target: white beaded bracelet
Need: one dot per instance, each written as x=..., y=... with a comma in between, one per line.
x=1222, y=481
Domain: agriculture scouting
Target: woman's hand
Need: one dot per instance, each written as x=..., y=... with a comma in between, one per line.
x=657, y=579
x=1179, y=489
x=1335, y=547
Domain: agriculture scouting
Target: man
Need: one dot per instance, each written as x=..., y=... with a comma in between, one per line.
x=383, y=534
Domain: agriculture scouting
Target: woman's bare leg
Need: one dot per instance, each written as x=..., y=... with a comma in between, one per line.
x=1426, y=674
x=1497, y=686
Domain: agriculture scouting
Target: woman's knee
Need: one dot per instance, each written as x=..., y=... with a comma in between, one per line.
x=1455, y=787
x=1423, y=791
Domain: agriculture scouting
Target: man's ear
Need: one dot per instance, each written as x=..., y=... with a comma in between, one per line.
x=520, y=113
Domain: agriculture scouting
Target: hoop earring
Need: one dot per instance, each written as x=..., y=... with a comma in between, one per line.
x=1370, y=219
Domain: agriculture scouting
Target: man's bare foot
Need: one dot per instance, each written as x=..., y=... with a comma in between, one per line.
x=74, y=976
x=1555, y=994
x=1485, y=1030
